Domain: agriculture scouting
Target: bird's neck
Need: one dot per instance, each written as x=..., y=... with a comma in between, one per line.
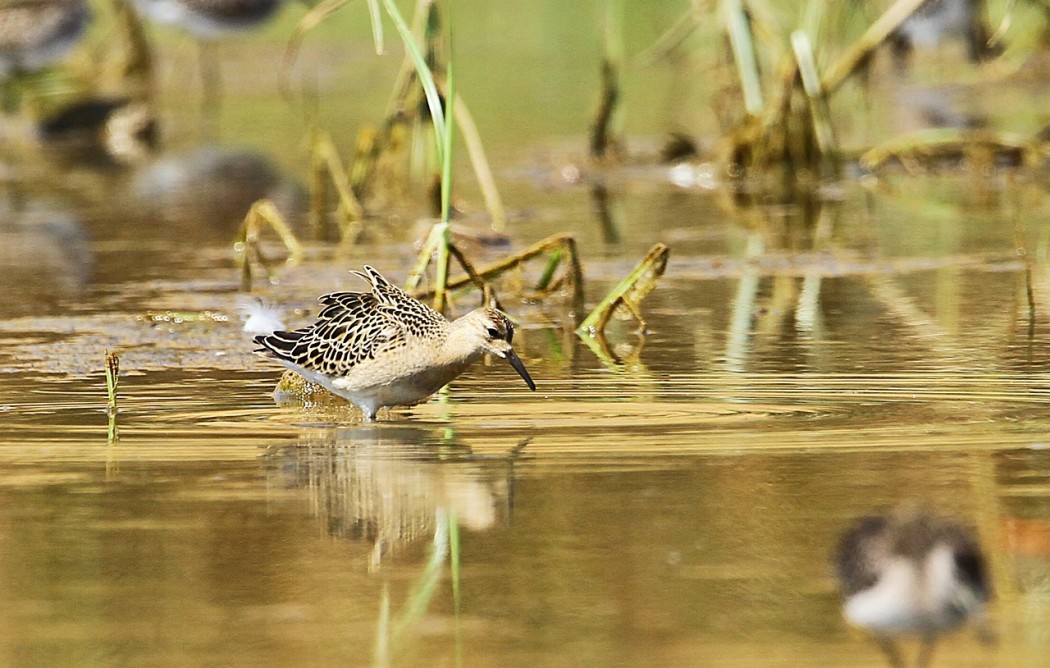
x=459, y=346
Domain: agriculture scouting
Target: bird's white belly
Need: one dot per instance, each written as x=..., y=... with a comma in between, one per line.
x=377, y=385
x=911, y=597
x=889, y=607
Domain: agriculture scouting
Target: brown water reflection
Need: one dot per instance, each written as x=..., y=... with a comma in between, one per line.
x=158, y=550
x=390, y=485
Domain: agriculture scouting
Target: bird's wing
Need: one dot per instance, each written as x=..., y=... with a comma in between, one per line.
x=858, y=551
x=350, y=329
x=417, y=318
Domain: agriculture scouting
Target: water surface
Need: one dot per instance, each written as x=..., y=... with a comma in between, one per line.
x=675, y=504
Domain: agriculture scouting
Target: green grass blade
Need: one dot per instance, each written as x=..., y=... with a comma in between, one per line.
x=632, y=289
x=450, y=122
x=112, y=379
x=744, y=55
x=445, y=136
x=872, y=38
x=476, y=153
x=426, y=77
x=376, y=18
x=807, y=68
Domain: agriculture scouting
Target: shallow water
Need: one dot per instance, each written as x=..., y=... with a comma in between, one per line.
x=676, y=508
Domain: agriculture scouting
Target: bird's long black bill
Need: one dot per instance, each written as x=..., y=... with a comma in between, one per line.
x=515, y=362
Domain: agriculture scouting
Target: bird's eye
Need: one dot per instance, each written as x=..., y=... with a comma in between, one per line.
x=494, y=333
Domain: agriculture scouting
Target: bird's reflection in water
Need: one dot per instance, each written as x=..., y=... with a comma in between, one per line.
x=391, y=485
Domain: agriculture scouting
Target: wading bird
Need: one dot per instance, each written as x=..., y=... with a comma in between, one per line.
x=911, y=574
x=384, y=348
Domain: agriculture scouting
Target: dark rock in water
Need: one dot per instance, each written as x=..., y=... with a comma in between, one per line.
x=215, y=186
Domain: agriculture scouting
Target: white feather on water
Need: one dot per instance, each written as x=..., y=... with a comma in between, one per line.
x=260, y=317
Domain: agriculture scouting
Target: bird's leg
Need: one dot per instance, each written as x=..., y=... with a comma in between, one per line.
x=892, y=652
x=926, y=651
